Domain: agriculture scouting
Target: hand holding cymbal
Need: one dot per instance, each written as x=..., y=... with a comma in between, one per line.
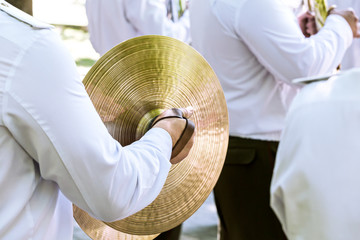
x=182, y=130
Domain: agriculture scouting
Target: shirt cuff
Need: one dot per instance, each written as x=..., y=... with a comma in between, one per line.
x=341, y=26
x=163, y=138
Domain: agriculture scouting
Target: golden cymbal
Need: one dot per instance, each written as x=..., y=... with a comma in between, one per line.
x=131, y=84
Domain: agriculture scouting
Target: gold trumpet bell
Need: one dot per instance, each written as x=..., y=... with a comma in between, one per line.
x=134, y=82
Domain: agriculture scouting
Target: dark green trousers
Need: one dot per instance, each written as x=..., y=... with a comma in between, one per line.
x=242, y=193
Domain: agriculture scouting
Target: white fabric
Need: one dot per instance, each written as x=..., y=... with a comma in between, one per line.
x=52, y=139
x=314, y=190
x=111, y=22
x=352, y=55
x=256, y=48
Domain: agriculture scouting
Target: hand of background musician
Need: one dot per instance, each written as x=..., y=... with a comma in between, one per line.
x=307, y=23
x=351, y=17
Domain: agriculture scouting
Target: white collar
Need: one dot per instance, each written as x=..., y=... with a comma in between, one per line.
x=22, y=16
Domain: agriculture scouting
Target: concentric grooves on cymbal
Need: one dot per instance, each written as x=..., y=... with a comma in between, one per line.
x=132, y=83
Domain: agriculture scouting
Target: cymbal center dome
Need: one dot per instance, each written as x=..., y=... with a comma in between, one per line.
x=145, y=121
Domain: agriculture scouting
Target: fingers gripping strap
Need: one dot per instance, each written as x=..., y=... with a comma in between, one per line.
x=186, y=133
x=174, y=113
x=158, y=120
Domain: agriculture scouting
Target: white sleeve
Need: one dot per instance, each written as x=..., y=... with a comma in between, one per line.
x=51, y=116
x=150, y=17
x=272, y=33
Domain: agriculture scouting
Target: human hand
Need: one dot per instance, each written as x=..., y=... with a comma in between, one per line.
x=182, y=131
x=351, y=17
x=307, y=24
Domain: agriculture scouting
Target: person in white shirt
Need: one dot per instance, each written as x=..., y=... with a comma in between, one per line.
x=111, y=22
x=54, y=148
x=256, y=47
x=352, y=55
x=314, y=190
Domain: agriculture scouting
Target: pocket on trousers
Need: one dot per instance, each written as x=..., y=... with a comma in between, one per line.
x=240, y=156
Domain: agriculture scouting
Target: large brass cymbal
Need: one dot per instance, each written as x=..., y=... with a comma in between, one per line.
x=132, y=83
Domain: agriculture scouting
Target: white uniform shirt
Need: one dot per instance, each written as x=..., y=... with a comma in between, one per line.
x=352, y=55
x=52, y=139
x=315, y=186
x=111, y=22
x=256, y=48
